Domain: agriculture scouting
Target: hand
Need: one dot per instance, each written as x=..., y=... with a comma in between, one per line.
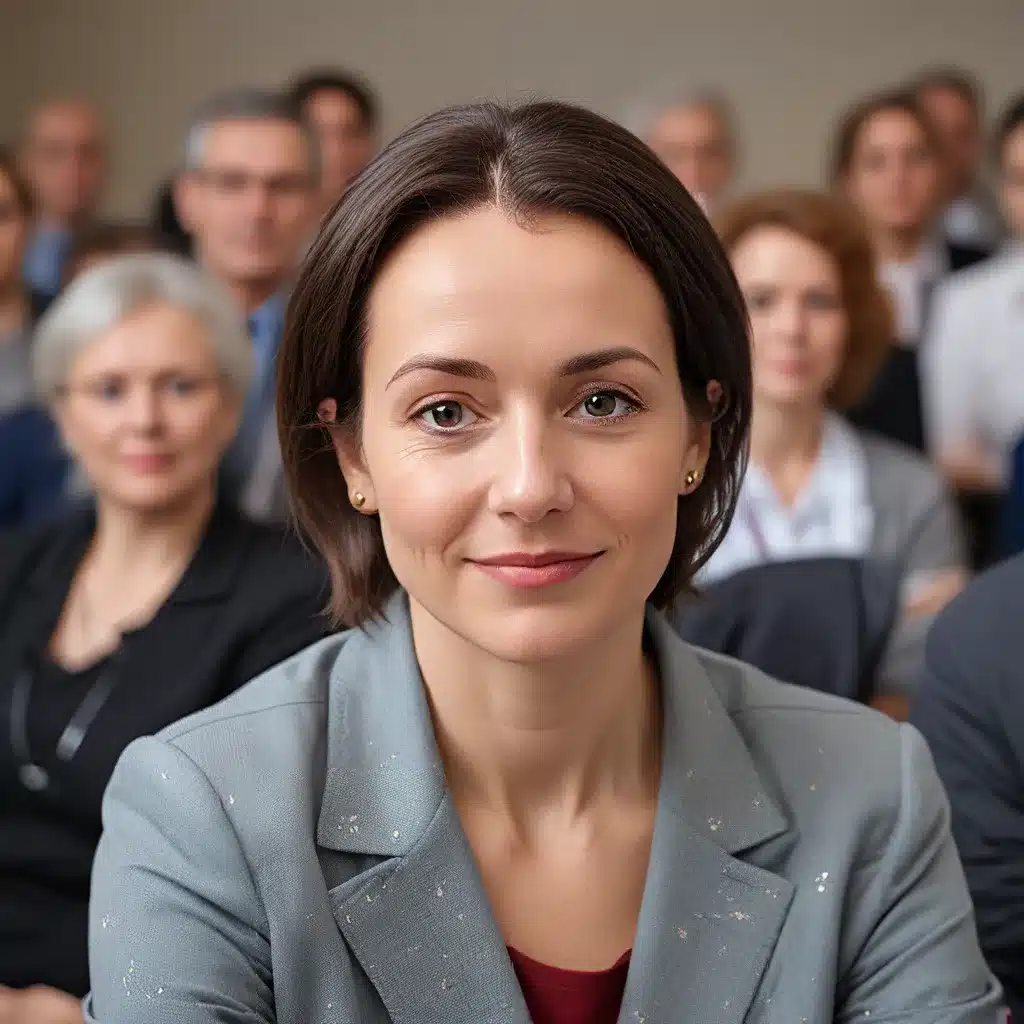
x=933, y=592
x=39, y=1005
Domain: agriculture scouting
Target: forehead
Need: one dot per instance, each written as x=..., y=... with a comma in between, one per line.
x=65, y=121
x=889, y=127
x=946, y=101
x=257, y=144
x=777, y=253
x=688, y=120
x=173, y=339
x=1013, y=148
x=333, y=105
x=485, y=281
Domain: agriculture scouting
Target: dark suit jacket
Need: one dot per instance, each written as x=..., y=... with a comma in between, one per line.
x=971, y=710
x=249, y=599
x=892, y=407
x=33, y=468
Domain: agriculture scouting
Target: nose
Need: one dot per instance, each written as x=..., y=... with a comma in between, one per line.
x=789, y=319
x=530, y=477
x=144, y=411
x=258, y=201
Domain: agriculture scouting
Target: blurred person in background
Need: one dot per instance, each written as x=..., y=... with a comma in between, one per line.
x=694, y=136
x=816, y=485
x=344, y=112
x=973, y=364
x=247, y=196
x=120, y=619
x=33, y=468
x=953, y=102
x=64, y=160
x=165, y=223
x=888, y=163
x=970, y=709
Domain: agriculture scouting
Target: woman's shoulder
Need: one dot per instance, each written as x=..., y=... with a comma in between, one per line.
x=897, y=471
x=23, y=549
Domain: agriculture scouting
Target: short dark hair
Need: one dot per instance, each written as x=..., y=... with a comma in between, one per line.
x=22, y=193
x=111, y=238
x=530, y=161
x=307, y=85
x=852, y=123
x=951, y=79
x=1010, y=121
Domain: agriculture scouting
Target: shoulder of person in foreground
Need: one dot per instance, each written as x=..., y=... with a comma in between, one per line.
x=283, y=590
x=970, y=708
x=868, y=849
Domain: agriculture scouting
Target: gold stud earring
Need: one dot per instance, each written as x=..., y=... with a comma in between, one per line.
x=692, y=477
x=358, y=499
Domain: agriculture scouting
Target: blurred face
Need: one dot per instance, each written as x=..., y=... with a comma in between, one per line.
x=13, y=232
x=1012, y=166
x=249, y=206
x=346, y=144
x=960, y=133
x=693, y=143
x=146, y=412
x=893, y=177
x=797, y=318
x=524, y=437
x=64, y=161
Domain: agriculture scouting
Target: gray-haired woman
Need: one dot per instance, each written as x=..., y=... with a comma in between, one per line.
x=116, y=621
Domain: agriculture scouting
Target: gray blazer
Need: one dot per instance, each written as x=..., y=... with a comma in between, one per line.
x=293, y=855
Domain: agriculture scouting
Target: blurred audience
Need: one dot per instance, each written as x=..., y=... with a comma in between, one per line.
x=166, y=225
x=975, y=353
x=970, y=707
x=344, y=114
x=953, y=102
x=247, y=197
x=105, y=239
x=816, y=485
x=888, y=162
x=120, y=619
x=19, y=306
x=694, y=137
x=64, y=160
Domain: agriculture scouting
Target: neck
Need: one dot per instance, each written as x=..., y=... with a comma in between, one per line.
x=532, y=741
x=899, y=246
x=14, y=308
x=130, y=545
x=784, y=436
x=251, y=294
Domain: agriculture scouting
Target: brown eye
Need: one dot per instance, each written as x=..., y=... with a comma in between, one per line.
x=446, y=416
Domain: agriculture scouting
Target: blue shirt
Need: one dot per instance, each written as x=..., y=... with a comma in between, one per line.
x=266, y=325
x=44, y=260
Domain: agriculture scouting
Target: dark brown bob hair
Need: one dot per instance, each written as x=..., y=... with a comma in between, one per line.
x=833, y=226
x=530, y=161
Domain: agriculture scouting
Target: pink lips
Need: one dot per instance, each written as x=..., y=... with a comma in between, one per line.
x=520, y=569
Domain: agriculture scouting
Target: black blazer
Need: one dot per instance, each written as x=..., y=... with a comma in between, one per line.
x=970, y=707
x=250, y=598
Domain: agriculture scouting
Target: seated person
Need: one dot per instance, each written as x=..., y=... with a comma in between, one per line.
x=970, y=708
x=815, y=484
x=100, y=241
x=974, y=402
x=120, y=619
x=34, y=468
x=514, y=398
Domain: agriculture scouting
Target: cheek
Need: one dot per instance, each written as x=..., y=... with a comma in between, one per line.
x=827, y=337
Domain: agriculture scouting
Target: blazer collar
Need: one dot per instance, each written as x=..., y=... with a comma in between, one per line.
x=209, y=576
x=419, y=921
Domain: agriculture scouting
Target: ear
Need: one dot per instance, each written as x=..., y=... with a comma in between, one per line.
x=349, y=453
x=695, y=460
x=186, y=193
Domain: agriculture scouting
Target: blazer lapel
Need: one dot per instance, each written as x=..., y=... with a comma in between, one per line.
x=418, y=920
x=709, y=921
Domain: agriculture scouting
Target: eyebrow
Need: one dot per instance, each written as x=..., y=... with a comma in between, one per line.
x=470, y=369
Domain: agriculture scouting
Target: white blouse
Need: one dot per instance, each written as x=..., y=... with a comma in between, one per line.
x=832, y=516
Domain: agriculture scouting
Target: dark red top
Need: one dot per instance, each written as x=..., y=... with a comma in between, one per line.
x=556, y=996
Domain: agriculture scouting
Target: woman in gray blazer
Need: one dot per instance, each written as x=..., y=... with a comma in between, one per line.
x=513, y=398
x=816, y=485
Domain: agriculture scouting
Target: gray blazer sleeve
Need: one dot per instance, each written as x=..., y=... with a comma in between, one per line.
x=918, y=961
x=191, y=944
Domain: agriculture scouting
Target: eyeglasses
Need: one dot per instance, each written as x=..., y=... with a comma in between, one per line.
x=235, y=182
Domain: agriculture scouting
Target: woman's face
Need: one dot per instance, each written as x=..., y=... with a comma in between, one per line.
x=894, y=177
x=146, y=411
x=522, y=405
x=798, y=321
x=13, y=233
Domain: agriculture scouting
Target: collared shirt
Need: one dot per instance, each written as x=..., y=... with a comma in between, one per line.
x=910, y=285
x=973, y=220
x=831, y=516
x=265, y=328
x=972, y=363
x=44, y=260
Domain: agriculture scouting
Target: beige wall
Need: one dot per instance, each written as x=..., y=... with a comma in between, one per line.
x=789, y=65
